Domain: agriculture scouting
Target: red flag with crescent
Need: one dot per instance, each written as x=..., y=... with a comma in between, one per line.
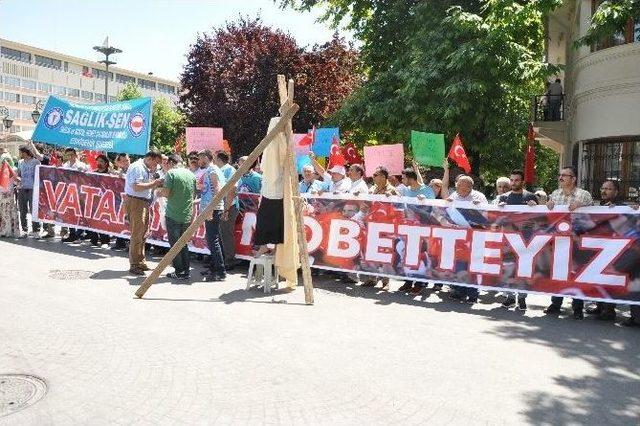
x=458, y=154
x=335, y=155
x=530, y=157
x=90, y=158
x=6, y=174
x=351, y=154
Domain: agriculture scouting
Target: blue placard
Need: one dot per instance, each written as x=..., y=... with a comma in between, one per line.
x=113, y=127
x=322, y=140
x=301, y=161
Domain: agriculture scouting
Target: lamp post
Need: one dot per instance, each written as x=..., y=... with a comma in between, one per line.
x=106, y=50
x=6, y=121
x=35, y=115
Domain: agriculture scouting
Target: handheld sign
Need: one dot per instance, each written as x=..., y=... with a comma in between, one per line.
x=389, y=156
x=201, y=138
x=323, y=139
x=428, y=148
x=114, y=127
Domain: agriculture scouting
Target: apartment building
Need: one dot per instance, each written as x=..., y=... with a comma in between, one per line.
x=29, y=74
x=598, y=130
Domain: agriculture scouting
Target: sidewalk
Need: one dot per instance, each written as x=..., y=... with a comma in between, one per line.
x=212, y=353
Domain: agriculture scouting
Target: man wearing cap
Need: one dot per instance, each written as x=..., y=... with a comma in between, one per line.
x=139, y=184
x=335, y=181
x=309, y=183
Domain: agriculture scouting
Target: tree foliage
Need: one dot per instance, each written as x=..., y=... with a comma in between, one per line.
x=468, y=66
x=230, y=80
x=167, y=122
x=610, y=17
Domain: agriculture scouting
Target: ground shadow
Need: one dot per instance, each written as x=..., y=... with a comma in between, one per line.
x=79, y=249
x=609, y=396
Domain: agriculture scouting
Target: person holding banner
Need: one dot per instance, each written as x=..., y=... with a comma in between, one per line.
x=26, y=175
x=139, y=184
x=309, y=183
x=122, y=165
x=568, y=194
x=358, y=185
x=517, y=196
x=72, y=162
x=212, y=180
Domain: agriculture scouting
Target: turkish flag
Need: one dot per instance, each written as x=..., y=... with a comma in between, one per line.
x=458, y=155
x=91, y=156
x=530, y=157
x=351, y=154
x=335, y=155
x=6, y=174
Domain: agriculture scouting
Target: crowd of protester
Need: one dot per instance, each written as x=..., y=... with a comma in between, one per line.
x=204, y=173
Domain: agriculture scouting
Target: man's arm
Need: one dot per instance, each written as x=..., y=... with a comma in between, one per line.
x=37, y=154
x=317, y=167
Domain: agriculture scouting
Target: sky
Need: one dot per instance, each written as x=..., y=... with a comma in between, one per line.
x=154, y=34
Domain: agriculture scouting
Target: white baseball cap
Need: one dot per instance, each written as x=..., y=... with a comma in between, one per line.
x=338, y=169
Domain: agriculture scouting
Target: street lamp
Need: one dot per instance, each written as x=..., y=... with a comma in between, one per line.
x=106, y=50
x=6, y=121
x=35, y=115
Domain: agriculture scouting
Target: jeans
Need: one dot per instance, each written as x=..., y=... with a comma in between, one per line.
x=24, y=205
x=227, y=234
x=175, y=231
x=576, y=304
x=212, y=228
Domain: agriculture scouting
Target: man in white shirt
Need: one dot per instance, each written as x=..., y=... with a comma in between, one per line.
x=335, y=181
x=73, y=163
x=358, y=185
x=465, y=192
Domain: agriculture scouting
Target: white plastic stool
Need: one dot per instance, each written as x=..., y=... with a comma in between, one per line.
x=263, y=273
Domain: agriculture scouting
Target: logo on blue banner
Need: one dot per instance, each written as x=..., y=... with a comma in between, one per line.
x=113, y=127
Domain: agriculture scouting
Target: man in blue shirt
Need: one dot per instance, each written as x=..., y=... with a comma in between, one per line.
x=26, y=176
x=230, y=213
x=250, y=181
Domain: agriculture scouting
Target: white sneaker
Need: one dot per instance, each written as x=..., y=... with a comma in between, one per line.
x=35, y=234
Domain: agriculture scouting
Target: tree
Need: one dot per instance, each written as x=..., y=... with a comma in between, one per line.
x=610, y=17
x=230, y=80
x=167, y=122
x=449, y=66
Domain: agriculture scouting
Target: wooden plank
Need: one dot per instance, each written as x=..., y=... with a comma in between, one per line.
x=298, y=203
x=207, y=212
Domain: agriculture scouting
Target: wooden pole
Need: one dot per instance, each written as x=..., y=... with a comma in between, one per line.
x=286, y=99
x=286, y=117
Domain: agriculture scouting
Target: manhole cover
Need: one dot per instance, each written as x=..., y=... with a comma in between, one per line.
x=18, y=391
x=66, y=274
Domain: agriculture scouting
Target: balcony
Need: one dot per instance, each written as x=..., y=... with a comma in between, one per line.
x=548, y=116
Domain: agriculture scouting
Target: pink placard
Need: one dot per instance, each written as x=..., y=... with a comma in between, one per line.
x=199, y=138
x=303, y=143
x=389, y=156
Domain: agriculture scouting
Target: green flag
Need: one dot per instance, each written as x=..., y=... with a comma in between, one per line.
x=428, y=148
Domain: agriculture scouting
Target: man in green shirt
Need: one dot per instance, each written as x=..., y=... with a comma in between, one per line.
x=179, y=188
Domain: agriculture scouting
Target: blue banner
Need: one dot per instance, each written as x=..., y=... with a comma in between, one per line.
x=113, y=127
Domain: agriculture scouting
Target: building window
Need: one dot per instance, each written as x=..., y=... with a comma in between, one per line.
x=12, y=97
x=101, y=74
x=14, y=114
x=28, y=100
x=124, y=79
x=614, y=158
x=99, y=97
x=29, y=84
x=86, y=72
x=113, y=99
x=15, y=129
x=166, y=88
x=45, y=87
x=147, y=84
x=87, y=96
x=59, y=90
x=45, y=61
x=11, y=81
x=73, y=92
x=16, y=55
